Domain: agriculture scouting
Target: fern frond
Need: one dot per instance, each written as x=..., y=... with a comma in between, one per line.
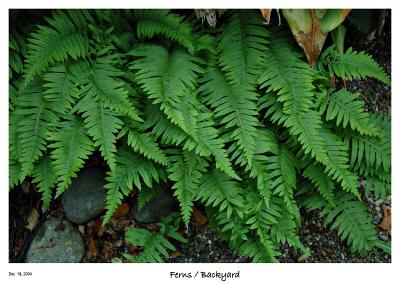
x=130, y=169
x=352, y=65
x=292, y=78
x=45, y=177
x=242, y=46
x=373, y=152
x=381, y=189
x=186, y=171
x=108, y=88
x=37, y=120
x=306, y=128
x=260, y=215
x=72, y=146
x=167, y=77
x=325, y=186
x=61, y=89
x=14, y=173
x=102, y=125
x=282, y=177
x=260, y=250
x=155, y=22
x=353, y=222
x=143, y=142
x=337, y=165
x=154, y=245
x=346, y=110
x=235, y=106
x=65, y=36
x=218, y=190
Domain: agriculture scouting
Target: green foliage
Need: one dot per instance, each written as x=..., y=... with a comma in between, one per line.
x=155, y=243
x=352, y=65
x=232, y=118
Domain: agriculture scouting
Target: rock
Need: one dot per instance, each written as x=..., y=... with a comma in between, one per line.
x=157, y=208
x=86, y=197
x=56, y=241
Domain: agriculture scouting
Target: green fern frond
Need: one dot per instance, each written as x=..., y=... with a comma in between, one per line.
x=292, y=78
x=242, y=46
x=104, y=83
x=353, y=222
x=130, y=169
x=260, y=215
x=235, y=106
x=337, y=165
x=325, y=186
x=155, y=22
x=380, y=188
x=186, y=171
x=61, y=88
x=352, y=65
x=154, y=245
x=306, y=128
x=37, y=120
x=65, y=37
x=167, y=77
x=346, y=110
x=262, y=250
x=72, y=146
x=45, y=177
x=218, y=190
x=102, y=125
x=143, y=142
x=373, y=152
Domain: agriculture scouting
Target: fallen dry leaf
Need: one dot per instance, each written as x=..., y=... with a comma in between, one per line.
x=175, y=254
x=32, y=219
x=387, y=219
x=81, y=229
x=92, y=246
x=121, y=211
x=108, y=254
x=199, y=217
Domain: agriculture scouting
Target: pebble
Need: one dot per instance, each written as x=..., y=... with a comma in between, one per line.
x=86, y=197
x=57, y=241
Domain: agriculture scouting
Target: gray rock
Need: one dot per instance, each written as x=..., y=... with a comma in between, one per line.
x=56, y=241
x=85, y=199
x=157, y=208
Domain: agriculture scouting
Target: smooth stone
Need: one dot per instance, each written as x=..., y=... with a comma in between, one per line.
x=86, y=197
x=57, y=241
x=157, y=208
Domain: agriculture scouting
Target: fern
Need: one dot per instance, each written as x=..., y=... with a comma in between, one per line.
x=351, y=219
x=232, y=118
x=186, y=171
x=65, y=37
x=72, y=147
x=155, y=243
x=217, y=190
x=45, y=177
x=343, y=106
x=235, y=106
x=37, y=120
x=352, y=65
x=168, y=77
x=151, y=23
x=130, y=169
x=102, y=125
